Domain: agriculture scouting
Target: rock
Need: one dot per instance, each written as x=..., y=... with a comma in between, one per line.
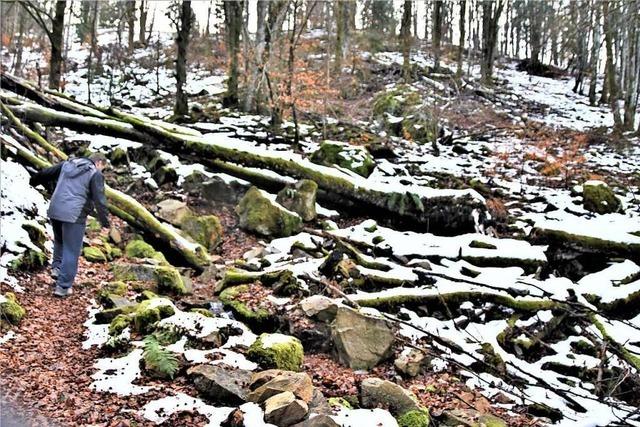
x=173, y=211
x=119, y=324
x=274, y=381
x=10, y=309
x=318, y=421
x=170, y=281
x=597, y=197
x=301, y=199
x=470, y=418
x=277, y=351
x=320, y=307
x=205, y=230
x=376, y=392
x=352, y=157
x=215, y=189
x=29, y=260
x=258, y=317
x=361, y=341
x=284, y=409
x=167, y=279
x=319, y=404
x=93, y=254
x=253, y=253
x=411, y=362
x=118, y=156
x=221, y=384
x=414, y=419
x=165, y=175
x=151, y=311
x=261, y=215
x=107, y=316
x=115, y=236
x=141, y=249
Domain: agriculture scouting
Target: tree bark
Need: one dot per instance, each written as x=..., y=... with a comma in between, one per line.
x=253, y=97
x=233, y=25
x=142, y=31
x=462, y=27
x=131, y=20
x=181, y=107
x=491, y=12
x=595, y=53
x=611, y=72
x=55, y=37
x=405, y=40
x=437, y=32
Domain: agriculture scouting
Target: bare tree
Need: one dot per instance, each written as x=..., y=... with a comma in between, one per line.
x=611, y=72
x=181, y=107
x=436, y=34
x=595, y=51
x=491, y=12
x=405, y=40
x=144, y=11
x=463, y=9
x=131, y=21
x=257, y=64
x=233, y=25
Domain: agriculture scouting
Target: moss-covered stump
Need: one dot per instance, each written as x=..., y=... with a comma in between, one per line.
x=259, y=214
x=151, y=311
x=10, y=309
x=257, y=318
x=597, y=197
x=277, y=351
x=29, y=260
x=300, y=198
x=94, y=254
x=205, y=230
x=141, y=249
x=356, y=159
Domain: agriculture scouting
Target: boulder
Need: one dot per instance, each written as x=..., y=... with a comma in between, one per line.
x=221, y=384
x=141, y=249
x=361, y=341
x=318, y=421
x=319, y=307
x=166, y=279
x=215, y=189
x=93, y=254
x=352, y=157
x=205, y=230
x=411, y=362
x=107, y=316
x=597, y=197
x=277, y=351
x=259, y=214
x=375, y=392
x=149, y=312
x=284, y=409
x=119, y=324
x=414, y=419
x=470, y=418
x=300, y=198
x=165, y=175
x=274, y=381
x=173, y=211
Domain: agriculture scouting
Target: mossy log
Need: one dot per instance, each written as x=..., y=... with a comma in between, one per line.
x=129, y=210
x=445, y=211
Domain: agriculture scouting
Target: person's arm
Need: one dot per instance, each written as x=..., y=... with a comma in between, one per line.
x=99, y=199
x=46, y=176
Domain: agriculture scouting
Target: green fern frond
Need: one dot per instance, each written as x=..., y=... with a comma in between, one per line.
x=158, y=360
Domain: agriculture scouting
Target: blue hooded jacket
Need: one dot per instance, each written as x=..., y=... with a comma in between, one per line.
x=80, y=186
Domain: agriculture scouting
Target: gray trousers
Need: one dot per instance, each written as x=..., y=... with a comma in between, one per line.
x=67, y=245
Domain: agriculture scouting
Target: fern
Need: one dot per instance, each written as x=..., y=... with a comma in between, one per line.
x=158, y=360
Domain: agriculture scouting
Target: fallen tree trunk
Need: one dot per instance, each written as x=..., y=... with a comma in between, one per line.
x=129, y=210
x=444, y=211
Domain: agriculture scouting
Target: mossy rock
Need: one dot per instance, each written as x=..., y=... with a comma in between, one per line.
x=356, y=159
x=300, y=198
x=141, y=249
x=202, y=311
x=165, y=175
x=151, y=311
x=419, y=127
x=277, y=351
x=10, y=309
x=597, y=197
x=255, y=318
x=482, y=245
x=261, y=215
x=29, y=260
x=205, y=230
x=119, y=324
x=396, y=102
x=107, y=316
x=37, y=234
x=414, y=419
x=118, y=156
x=169, y=281
x=117, y=288
x=339, y=402
x=93, y=254
x=93, y=224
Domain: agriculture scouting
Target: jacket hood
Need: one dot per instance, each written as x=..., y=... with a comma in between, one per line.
x=76, y=167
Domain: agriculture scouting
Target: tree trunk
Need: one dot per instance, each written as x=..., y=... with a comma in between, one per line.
x=181, y=108
x=92, y=49
x=17, y=66
x=534, y=10
x=611, y=72
x=131, y=21
x=55, y=37
x=633, y=64
x=445, y=211
x=405, y=40
x=142, y=31
x=595, y=52
x=341, y=11
x=491, y=12
x=233, y=24
x=437, y=32
x=253, y=98
x=462, y=27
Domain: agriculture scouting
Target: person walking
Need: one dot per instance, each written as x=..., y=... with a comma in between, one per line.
x=79, y=187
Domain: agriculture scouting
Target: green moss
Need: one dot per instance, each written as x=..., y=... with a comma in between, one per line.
x=149, y=312
x=600, y=199
x=118, y=156
x=106, y=316
x=351, y=157
x=377, y=240
x=119, y=324
x=147, y=294
x=93, y=224
x=228, y=297
x=489, y=420
x=93, y=254
x=29, y=260
x=258, y=214
x=202, y=311
x=287, y=355
x=11, y=310
x=169, y=281
x=562, y=238
x=414, y=419
x=626, y=354
x=36, y=233
x=205, y=230
x=482, y=245
x=141, y=249
x=338, y=402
